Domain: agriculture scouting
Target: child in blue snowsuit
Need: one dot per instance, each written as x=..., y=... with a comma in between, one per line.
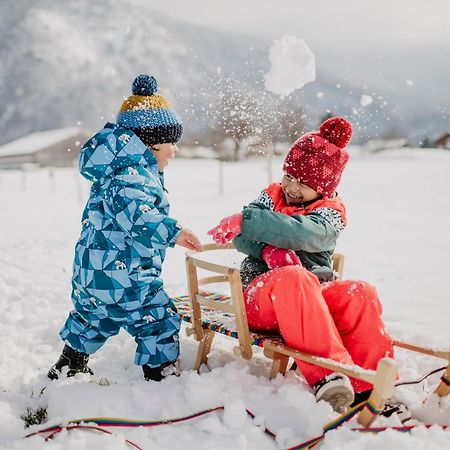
x=126, y=230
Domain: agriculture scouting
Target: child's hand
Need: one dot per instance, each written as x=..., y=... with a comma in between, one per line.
x=276, y=257
x=228, y=228
x=188, y=239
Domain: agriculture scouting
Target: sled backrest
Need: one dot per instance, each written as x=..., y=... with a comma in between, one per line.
x=236, y=307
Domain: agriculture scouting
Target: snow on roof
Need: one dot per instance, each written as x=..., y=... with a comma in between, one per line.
x=35, y=142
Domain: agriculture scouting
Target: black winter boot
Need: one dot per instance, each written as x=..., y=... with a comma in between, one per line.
x=76, y=361
x=160, y=372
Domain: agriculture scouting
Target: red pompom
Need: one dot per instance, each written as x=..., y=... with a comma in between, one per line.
x=336, y=130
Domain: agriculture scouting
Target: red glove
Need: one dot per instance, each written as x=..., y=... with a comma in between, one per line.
x=228, y=228
x=279, y=257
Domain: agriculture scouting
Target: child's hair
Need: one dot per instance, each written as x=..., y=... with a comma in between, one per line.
x=317, y=159
x=149, y=115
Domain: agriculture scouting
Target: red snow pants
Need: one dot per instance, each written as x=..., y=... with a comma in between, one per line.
x=340, y=320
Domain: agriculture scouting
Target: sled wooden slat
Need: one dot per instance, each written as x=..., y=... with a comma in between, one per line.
x=350, y=371
x=426, y=351
x=212, y=304
x=209, y=280
x=210, y=266
x=209, y=313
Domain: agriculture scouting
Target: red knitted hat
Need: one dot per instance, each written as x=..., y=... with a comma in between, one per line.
x=317, y=159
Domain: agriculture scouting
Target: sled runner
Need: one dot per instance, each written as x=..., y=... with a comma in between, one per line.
x=211, y=313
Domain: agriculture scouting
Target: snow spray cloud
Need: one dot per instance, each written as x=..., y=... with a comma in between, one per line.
x=292, y=65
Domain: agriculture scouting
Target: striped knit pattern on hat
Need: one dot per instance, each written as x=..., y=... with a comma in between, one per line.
x=149, y=115
x=318, y=159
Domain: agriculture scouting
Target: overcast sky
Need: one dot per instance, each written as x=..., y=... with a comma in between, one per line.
x=324, y=22
x=382, y=42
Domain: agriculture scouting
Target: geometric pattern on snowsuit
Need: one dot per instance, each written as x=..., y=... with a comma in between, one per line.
x=125, y=232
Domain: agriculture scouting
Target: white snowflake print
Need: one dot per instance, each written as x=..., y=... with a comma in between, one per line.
x=145, y=208
x=124, y=138
x=170, y=311
x=149, y=318
x=333, y=217
x=266, y=200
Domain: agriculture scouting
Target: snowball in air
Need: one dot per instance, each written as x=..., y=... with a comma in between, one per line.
x=292, y=65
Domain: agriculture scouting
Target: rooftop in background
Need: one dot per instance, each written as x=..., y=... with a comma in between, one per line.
x=47, y=148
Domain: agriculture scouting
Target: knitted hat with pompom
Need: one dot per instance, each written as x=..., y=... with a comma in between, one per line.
x=149, y=114
x=317, y=159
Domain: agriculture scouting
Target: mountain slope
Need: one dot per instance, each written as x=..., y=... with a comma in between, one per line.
x=71, y=63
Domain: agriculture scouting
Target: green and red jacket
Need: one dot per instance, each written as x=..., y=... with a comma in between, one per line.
x=311, y=230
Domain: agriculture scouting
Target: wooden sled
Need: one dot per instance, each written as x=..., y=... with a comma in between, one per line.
x=211, y=313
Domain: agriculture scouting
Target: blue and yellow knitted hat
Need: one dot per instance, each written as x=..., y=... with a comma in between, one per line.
x=149, y=115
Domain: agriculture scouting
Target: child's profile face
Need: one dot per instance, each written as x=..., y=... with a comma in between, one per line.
x=164, y=152
x=296, y=192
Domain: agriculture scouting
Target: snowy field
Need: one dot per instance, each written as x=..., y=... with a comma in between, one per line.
x=398, y=204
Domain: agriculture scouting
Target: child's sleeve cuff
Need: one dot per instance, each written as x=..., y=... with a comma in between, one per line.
x=173, y=239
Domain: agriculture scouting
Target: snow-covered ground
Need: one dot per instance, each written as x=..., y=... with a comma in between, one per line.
x=398, y=205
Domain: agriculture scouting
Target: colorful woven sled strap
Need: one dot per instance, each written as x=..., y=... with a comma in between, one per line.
x=330, y=426
x=373, y=409
x=57, y=429
x=404, y=428
x=118, y=422
x=347, y=416
x=445, y=380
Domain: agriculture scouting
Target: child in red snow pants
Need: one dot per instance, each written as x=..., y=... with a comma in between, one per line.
x=340, y=320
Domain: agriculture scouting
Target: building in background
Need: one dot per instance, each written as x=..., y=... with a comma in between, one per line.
x=54, y=148
x=443, y=141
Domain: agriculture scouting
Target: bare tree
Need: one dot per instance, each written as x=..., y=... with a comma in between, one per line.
x=291, y=118
x=234, y=113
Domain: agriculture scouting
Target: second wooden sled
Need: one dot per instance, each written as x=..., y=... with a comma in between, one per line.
x=211, y=313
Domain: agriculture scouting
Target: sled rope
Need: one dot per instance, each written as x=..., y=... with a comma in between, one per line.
x=432, y=372
x=130, y=423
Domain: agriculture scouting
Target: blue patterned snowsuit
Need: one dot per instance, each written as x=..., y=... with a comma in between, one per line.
x=126, y=230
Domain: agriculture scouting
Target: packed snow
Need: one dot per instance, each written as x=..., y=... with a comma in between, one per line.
x=292, y=65
x=398, y=204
